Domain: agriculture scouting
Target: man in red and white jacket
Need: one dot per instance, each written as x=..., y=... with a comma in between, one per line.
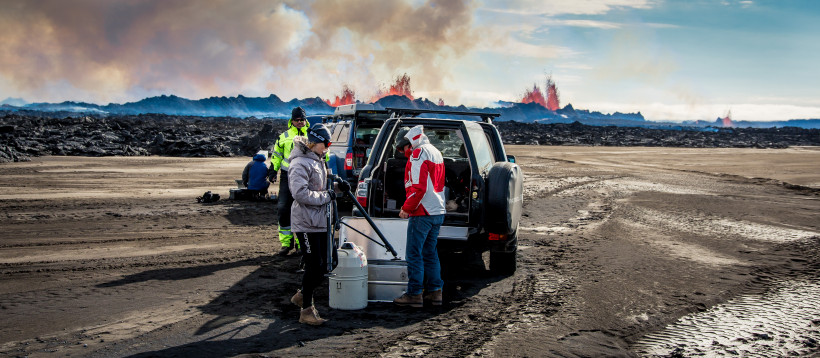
x=424, y=207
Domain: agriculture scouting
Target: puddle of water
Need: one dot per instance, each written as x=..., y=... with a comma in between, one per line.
x=785, y=321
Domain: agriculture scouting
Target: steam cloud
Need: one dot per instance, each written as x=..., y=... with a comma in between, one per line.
x=114, y=51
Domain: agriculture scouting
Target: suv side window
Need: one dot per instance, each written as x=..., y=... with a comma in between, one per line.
x=341, y=133
x=481, y=148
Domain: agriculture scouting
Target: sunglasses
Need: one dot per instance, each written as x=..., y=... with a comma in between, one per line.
x=298, y=120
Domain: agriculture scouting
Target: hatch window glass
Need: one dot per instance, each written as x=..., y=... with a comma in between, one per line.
x=481, y=148
x=341, y=134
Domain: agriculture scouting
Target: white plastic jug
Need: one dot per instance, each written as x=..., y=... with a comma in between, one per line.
x=348, y=286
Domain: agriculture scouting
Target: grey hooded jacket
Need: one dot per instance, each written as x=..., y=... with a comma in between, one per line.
x=307, y=177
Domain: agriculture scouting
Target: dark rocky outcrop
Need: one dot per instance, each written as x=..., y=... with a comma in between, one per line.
x=26, y=134
x=691, y=137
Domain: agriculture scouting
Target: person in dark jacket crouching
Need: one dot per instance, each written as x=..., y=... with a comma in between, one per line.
x=308, y=184
x=255, y=176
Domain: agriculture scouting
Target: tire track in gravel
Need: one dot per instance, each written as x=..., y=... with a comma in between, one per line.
x=515, y=303
x=464, y=331
x=126, y=263
x=777, y=318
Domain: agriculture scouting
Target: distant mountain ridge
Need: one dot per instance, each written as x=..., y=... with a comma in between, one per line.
x=274, y=107
x=239, y=106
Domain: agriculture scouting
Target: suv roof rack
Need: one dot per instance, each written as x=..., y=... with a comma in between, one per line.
x=356, y=107
x=415, y=112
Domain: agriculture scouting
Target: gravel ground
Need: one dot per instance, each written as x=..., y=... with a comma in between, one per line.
x=623, y=252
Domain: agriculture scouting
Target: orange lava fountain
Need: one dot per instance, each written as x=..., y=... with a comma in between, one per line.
x=348, y=97
x=401, y=87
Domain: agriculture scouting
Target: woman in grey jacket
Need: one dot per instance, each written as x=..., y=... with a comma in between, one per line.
x=308, y=183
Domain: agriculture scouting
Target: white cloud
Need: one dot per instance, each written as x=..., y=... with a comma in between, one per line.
x=516, y=48
x=558, y=7
x=590, y=23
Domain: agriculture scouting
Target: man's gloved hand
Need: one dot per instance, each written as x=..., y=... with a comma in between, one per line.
x=272, y=176
x=332, y=194
x=245, y=184
x=344, y=186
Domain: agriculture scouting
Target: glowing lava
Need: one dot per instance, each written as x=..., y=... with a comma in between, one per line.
x=348, y=97
x=400, y=88
x=534, y=96
x=550, y=101
x=727, y=121
x=552, y=95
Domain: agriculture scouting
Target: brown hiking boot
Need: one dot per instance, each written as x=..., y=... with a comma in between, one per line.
x=409, y=300
x=284, y=250
x=297, y=298
x=310, y=316
x=433, y=297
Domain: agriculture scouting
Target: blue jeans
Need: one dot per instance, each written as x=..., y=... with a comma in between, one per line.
x=423, y=267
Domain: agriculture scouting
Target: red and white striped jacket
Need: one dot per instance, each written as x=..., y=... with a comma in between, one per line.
x=423, y=176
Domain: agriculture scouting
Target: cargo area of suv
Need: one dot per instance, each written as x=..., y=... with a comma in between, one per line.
x=450, y=141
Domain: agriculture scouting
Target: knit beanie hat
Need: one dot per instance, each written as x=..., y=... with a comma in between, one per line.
x=298, y=112
x=318, y=133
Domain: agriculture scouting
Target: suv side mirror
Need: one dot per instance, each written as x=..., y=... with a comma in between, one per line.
x=511, y=158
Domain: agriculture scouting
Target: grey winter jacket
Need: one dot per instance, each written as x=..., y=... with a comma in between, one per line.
x=307, y=177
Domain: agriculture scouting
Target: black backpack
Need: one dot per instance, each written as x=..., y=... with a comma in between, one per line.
x=207, y=197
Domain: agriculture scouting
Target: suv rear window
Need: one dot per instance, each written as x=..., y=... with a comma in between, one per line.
x=449, y=141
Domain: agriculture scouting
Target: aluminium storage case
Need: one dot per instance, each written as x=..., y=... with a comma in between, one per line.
x=387, y=276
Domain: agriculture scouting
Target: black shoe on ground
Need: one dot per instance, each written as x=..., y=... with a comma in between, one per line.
x=284, y=250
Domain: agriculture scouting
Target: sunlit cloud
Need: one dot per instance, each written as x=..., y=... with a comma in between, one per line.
x=590, y=23
x=559, y=7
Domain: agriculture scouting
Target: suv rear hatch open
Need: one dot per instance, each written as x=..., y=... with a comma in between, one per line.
x=389, y=194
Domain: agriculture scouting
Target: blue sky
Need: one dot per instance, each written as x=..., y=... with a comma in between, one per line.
x=670, y=60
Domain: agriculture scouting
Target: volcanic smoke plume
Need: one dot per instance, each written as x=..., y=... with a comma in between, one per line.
x=113, y=51
x=550, y=101
x=348, y=97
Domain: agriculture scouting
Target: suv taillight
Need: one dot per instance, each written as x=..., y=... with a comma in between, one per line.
x=497, y=237
x=349, y=161
x=361, y=193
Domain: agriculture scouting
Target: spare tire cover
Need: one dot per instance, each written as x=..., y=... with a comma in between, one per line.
x=505, y=197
